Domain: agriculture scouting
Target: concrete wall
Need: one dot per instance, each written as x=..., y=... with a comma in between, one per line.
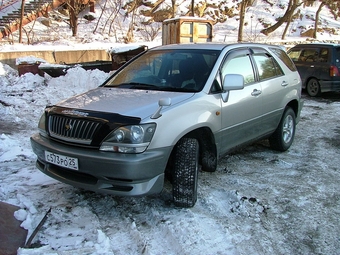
x=56, y=57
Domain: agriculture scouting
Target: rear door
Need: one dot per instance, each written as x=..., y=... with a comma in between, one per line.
x=275, y=86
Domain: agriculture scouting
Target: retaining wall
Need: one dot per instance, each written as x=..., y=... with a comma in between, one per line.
x=56, y=57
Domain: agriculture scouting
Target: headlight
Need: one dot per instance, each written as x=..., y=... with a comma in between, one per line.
x=42, y=125
x=129, y=139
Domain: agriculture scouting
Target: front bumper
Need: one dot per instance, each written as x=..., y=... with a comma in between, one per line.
x=105, y=172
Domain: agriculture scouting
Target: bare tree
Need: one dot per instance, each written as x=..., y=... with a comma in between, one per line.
x=150, y=30
x=244, y=5
x=317, y=16
x=193, y=8
x=100, y=16
x=289, y=20
x=333, y=7
x=292, y=6
x=22, y=15
x=75, y=7
x=173, y=8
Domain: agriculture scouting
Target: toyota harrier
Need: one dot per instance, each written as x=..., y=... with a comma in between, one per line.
x=169, y=112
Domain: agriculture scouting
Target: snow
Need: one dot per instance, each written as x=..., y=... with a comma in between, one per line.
x=29, y=60
x=257, y=202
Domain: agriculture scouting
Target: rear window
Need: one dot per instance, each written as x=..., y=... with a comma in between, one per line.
x=337, y=59
x=281, y=54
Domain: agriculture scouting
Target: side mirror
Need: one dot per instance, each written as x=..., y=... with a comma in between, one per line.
x=232, y=82
x=162, y=102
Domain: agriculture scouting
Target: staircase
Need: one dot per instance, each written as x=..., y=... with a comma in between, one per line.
x=33, y=9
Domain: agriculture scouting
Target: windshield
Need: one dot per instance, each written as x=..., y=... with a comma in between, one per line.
x=174, y=70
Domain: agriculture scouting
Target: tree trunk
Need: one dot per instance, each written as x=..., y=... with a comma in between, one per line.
x=22, y=14
x=192, y=8
x=174, y=8
x=317, y=15
x=73, y=18
x=293, y=4
x=244, y=5
x=286, y=29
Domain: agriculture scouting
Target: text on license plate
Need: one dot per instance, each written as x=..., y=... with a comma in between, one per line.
x=61, y=160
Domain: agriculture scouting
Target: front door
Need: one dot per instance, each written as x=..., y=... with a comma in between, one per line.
x=241, y=113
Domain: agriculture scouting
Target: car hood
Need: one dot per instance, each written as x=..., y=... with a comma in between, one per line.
x=128, y=102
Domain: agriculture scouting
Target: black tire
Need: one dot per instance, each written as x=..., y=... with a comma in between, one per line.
x=283, y=136
x=185, y=173
x=209, y=161
x=313, y=88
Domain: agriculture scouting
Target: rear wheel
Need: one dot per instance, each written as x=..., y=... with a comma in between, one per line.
x=283, y=136
x=185, y=172
x=313, y=88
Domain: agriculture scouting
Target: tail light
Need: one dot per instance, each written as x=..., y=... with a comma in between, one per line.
x=334, y=71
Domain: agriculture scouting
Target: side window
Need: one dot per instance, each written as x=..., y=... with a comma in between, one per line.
x=295, y=54
x=309, y=55
x=267, y=66
x=324, y=54
x=239, y=64
x=216, y=86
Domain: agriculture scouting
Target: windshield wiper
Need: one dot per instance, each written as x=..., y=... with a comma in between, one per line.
x=139, y=85
x=135, y=85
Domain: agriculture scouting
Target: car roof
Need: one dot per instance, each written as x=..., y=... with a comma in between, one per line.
x=209, y=46
x=316, y=44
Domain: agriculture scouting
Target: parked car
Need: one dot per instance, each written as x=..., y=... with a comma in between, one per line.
x=171, y=111
x=318, y=65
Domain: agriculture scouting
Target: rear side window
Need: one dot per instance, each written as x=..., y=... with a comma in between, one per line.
x=282, y=55
x=267, y=66
x=324, y=55
x=337, y=57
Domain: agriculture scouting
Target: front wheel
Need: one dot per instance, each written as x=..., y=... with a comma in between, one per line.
x=283, y=136
x=313, y=88
x=185, y=173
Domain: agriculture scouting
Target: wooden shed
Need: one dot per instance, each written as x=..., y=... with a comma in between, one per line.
x=186, y=30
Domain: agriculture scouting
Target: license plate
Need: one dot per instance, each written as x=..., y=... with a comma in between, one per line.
x=61, y=160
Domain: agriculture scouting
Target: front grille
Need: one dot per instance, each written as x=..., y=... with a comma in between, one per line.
x=72, y=130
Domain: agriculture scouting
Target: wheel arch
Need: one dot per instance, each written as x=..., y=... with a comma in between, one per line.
x=206, y=141
x=294, y=104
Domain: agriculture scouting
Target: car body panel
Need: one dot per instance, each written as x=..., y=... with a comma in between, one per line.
x=104, y=99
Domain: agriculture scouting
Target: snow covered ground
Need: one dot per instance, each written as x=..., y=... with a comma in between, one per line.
x=257, y=202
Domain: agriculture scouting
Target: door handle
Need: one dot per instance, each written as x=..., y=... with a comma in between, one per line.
x=284, y=84
x=256, y=92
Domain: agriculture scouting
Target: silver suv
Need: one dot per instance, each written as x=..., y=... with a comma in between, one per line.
x=170, y=111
